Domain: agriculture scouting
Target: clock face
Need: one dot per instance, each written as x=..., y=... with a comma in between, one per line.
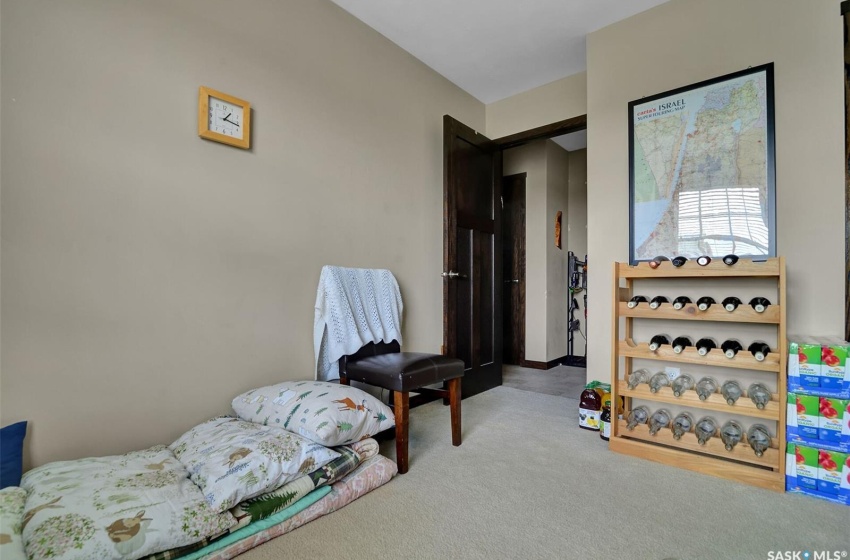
x=226, y=118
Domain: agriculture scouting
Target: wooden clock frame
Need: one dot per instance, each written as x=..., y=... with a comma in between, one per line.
x=204, y=94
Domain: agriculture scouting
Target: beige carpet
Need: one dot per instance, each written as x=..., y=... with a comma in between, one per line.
x=528, y=483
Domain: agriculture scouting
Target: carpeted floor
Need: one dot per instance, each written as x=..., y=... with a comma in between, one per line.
x=560, y=381
x=528, y=483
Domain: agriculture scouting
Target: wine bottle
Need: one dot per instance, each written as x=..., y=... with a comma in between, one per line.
x=705, y=345
x=682, y=424
x=703, y=260
x=705, y=302
x=680, y=343
x=679, y=261
x=731, y=347
x=657, y=261
x=729, y=260
x=731, y=303
x=637, y=377
x=759, y=304
x=655, y=302
x=637, y=416
x=758, y=436
x=731, y=433
x=659, y=419
x=759, y=394
x=681, y=302
x=731, y=391
x=681, y=384
x=706, y=387
x=657, y=341
x=657, y=381
x=705, y=429
x=636, y=300
x=759, y=350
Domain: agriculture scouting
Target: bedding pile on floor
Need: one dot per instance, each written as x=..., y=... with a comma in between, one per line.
x=223, y=487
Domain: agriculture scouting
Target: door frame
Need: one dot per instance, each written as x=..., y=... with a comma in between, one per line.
x=559, y=128
x=551, y=130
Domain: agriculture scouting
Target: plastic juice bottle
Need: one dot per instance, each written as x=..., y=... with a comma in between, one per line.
x=605, y=423
x=589, y=409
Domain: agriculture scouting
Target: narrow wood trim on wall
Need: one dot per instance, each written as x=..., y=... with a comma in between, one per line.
x=533, y=365
x=845, y=13
x=546, y=131
x=575, y=361
x=545, y=365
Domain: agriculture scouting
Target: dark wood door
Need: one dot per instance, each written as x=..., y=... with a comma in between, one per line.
x=513, y=268
x=472, y=273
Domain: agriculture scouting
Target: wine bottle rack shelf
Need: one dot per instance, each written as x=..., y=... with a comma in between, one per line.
x=716, y=269
x=741, y=464
x=715, y=447
x=743, y=360
x=714, y=402
x=690, y=312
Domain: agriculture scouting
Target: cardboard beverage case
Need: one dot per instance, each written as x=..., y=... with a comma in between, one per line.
x=819, y=366
x=834, y=373
x=823, y=422
x=804, y=363
x=817, y=472
x=834, y=420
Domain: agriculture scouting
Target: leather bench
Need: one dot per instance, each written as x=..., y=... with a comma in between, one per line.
x=384, y=365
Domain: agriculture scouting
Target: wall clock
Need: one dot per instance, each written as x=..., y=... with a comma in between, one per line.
x=224, y=118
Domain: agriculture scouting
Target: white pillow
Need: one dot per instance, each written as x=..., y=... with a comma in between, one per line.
x=326, y=413
x=12, y=501
x=232, y=460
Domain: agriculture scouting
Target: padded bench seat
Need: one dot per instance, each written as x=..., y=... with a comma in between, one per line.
x=383, y=365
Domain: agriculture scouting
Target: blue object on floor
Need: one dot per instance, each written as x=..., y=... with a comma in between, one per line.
x=12, y=454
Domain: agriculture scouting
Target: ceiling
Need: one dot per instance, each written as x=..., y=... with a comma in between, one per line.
x=495, y=48
x=572, y=141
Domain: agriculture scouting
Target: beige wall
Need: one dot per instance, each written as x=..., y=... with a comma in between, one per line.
x=552, y=102
x=149, y=276
x=577, y=230
x=531, y=159
x=557, y=178
x=686, y=41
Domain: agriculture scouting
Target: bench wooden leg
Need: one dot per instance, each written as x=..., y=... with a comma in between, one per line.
x=344, y=380
x=401, y=401
x=454, y=400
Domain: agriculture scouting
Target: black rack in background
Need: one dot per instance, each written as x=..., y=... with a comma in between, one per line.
x=577, y=284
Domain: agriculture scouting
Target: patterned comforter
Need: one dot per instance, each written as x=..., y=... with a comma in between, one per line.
x=144, y=505
x=120, y=507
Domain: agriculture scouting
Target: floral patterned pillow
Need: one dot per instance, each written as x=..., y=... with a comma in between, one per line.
x=12, y=501
x=327, y=413
x=232, y=460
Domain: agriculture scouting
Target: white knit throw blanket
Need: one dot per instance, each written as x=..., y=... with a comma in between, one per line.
x=354, y=306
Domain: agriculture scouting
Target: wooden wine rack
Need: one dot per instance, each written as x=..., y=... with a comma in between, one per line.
x=712, y=458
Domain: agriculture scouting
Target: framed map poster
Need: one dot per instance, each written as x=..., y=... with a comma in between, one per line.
x=701, y=169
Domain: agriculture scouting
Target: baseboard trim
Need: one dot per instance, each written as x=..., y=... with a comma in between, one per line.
x=534, y=365
x=579, y=361
x=575, y=361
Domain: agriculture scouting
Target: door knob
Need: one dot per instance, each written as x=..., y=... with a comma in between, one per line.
x=514, y=281
x=452, y=274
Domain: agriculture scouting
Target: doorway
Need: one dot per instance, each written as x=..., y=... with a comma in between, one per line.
x=474, y=298
x=549, y=286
